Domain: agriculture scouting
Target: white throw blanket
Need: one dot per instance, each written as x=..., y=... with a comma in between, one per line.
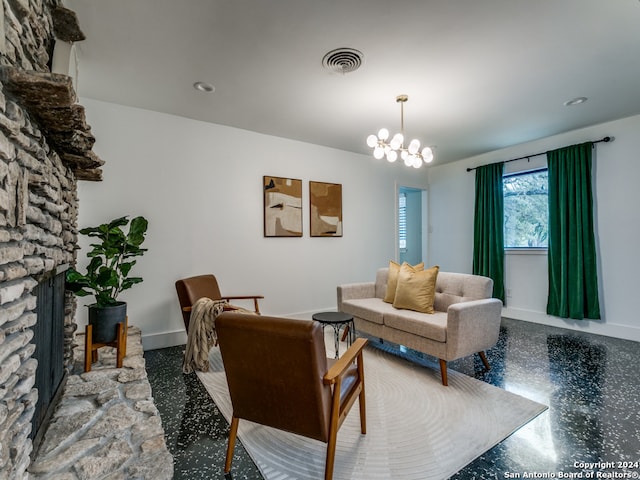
x=202, y=334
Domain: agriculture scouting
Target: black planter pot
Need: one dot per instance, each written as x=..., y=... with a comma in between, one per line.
x=104, y=321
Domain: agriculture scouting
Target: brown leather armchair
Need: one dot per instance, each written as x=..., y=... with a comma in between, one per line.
x=191, y=289
x=279, y=376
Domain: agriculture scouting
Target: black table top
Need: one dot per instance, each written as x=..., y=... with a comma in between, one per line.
x=332, y=317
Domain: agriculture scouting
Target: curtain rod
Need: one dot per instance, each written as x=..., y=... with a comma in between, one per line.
x=605, y=139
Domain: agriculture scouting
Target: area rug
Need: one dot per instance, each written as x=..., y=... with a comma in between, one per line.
x=416, y=428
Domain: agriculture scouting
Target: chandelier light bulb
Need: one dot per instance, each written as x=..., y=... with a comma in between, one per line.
x=408, y=161
x=396, y=141
x=378, y=153
x=404, y=155
x=392, y=156
x=414, y=146
x=427, y=155
x=383, y=134
x=372, y=141
x=417, y=163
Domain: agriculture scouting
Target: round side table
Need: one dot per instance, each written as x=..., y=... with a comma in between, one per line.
x=337, y=321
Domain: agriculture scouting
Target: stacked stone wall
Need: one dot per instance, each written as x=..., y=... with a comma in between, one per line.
x=38, y=229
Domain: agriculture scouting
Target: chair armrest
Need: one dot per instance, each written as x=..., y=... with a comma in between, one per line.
x=472, y=326
x=246, y=297
x=237, y=297
x=343, y=363
x=242, y=297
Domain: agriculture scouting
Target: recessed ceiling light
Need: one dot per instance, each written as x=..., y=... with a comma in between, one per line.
x=575, y=101
x=204, y=87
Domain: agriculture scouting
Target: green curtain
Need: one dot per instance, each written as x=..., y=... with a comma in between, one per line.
x=573, y=281
x=488, y=231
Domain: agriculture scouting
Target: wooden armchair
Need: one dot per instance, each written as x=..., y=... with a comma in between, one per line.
x=279, y=376
x=191, y=289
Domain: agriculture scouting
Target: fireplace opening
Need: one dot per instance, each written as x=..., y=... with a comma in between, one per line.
x=49, y=341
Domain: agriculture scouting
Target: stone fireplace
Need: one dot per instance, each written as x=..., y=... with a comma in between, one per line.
x=45, y=148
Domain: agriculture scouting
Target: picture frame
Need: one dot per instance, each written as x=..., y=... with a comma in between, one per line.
x=282, y=206
x=325, y=202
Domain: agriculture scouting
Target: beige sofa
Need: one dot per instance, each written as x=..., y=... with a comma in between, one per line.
x=466, y=318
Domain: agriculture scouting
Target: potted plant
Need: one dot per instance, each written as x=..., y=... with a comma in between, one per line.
x=112, y=259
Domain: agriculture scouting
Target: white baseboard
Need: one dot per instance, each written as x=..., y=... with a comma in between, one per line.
x=179, y=337
x=598, y=327
x=163, y=340
x=307, y=315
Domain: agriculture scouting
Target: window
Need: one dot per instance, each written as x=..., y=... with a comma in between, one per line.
x=402, y=221
x=526, y=209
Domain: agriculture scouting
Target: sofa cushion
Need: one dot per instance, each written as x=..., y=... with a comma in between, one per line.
x=460, y=287
x=392, y=278
x=432, y=326
x=416, y=289
x=371, y=309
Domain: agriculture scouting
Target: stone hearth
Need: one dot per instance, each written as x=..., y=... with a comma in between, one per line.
x=106, y=424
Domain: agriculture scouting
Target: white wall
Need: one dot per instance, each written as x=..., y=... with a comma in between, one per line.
x=200, y=187
x=617, y=218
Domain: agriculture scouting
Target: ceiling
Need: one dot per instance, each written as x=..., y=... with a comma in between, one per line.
x=480, y=74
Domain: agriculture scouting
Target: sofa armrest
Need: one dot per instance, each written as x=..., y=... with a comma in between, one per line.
x=351, y=291
x=472, y=326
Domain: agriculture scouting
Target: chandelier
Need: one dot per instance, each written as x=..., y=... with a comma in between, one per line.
x=411, y=154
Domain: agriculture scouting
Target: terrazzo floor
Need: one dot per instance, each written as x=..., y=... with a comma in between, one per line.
x=590, y=382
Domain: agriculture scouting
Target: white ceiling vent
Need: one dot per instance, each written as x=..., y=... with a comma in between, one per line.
x=343, y=60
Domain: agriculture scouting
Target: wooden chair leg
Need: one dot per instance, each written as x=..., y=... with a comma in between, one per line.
x=483, y=357
x=345, y=332
x=361, y=398
x=443, y=372
x=120, y=345
x=233, y=431
x=125, y=333
x=88, y=351
x=363, y=412
x=331, y=452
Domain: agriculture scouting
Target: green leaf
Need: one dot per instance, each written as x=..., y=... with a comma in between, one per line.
x=82, y=293
x=125, y=267
x=130, y=282
x=133, y=251
x=118, y=222
x=90, y=231
x=73, y=275
x=137, y=231
x=107, y=277
x=103, y=299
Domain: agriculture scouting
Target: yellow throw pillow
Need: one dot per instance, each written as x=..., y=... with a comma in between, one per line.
x=416, y=290
x=392, y=279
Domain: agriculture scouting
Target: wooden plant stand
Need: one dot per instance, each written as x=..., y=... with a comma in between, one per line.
x=120, y=344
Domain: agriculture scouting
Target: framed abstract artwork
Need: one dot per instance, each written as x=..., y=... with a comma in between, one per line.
x=282, y=207
x=325, y=200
